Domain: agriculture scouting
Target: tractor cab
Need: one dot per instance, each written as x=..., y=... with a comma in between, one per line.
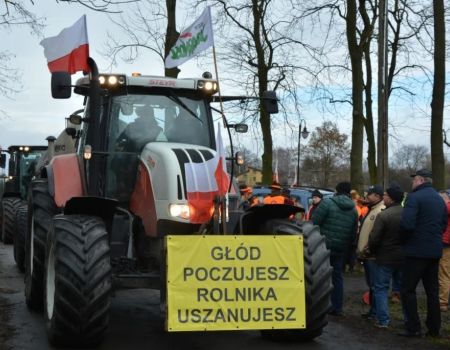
x=21, y=168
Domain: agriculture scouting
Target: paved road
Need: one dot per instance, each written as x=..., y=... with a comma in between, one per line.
x=135, y=324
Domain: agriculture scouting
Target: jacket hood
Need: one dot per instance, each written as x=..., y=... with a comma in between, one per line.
x=343, y=202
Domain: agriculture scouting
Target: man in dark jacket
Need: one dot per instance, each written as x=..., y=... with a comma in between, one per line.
x=423, y=221
x=316, y=198
x=338, y=221
x=385, y=245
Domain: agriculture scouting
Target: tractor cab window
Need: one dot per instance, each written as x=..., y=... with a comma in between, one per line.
x=139, y=119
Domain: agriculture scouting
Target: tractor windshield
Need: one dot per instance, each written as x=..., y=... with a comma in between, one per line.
x=27, y=167
x=139, y=119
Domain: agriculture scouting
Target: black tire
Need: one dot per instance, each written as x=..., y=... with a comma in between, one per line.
x=41, y=209
x=19, y=237
x=77, y=281
x=318, y=284
x=9, y=209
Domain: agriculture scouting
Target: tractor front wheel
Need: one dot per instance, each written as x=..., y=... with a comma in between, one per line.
x=19, y=237
x=9, y=208
x=77, y=281
x=317, y=279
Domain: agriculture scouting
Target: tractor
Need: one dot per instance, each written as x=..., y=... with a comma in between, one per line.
x=99, y=217
x=21, y=167
x=65, y=143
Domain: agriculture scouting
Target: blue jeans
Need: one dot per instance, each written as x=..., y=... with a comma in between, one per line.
x=383, y=277
x=337, y=295
x=370, y=273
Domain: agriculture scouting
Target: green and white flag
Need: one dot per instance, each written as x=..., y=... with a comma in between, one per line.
x=193, y=40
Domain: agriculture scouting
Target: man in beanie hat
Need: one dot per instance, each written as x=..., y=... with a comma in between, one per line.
x=375, y=203
x=385, y=245
x=316, y=198
x=423, y=221
x=338, y=221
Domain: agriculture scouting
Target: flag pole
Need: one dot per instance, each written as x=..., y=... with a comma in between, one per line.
x=224, y=201
x=218, y=85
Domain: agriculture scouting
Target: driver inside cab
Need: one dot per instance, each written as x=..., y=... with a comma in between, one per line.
x=142, y=130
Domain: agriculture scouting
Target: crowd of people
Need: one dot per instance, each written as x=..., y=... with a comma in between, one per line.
x=399, y=238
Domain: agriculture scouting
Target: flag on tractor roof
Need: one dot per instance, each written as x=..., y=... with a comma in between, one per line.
x=69, y=50
x=193, y=40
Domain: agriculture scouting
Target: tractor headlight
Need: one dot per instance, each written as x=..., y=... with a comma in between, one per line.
x=111, y=81
x=209, y=87
x=180, y=211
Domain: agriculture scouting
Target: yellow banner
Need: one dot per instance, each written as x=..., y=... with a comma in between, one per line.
x=235, y=282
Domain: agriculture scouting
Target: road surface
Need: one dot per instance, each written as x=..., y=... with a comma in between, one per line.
x=135, y=324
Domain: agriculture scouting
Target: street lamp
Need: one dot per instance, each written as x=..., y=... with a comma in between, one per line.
x=301, y=133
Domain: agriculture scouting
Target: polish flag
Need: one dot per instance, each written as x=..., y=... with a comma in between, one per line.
x=205, y=180
x=221, y=171
x=69, y=50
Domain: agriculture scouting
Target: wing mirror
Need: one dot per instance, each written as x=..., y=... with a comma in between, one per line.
x=240, y=128
x=61, y=85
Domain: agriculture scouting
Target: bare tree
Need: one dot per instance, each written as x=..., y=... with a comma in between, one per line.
x=261, y=49
x=437, y=103
x=150, y=26
x=410, y=158
x=327, y=152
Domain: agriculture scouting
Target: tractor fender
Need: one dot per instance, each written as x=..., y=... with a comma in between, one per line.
x=256, y=216
x=92, y=206
x=65, y=178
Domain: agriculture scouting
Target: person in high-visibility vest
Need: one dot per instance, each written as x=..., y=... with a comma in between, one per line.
x=276, y=197
x=247, y=198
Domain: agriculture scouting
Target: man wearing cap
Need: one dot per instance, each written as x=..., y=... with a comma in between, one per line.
x=375, y=204
x=385, y=244
x=423, y=221
x=316, y=198
x=276, y=195
x=338, y=221
x=247, y=198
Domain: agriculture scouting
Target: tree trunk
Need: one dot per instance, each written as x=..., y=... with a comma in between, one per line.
x=171, y=36
x=370, y=133
x=263, y=78
x=356, y=175
x=437, y=103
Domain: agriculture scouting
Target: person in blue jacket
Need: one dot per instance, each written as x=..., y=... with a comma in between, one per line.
x=423, y=221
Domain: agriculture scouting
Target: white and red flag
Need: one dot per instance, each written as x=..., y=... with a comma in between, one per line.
x=205, y=180
x=221, y=174
x=194, y=39
x=69, y=50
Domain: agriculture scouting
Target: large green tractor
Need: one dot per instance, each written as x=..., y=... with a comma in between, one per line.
x=13, y=205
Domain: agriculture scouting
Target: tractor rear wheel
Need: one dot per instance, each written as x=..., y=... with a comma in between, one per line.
x=317, y=279
x=41, y=208
x=77, y=281
x=19, y=237
x=9, y=208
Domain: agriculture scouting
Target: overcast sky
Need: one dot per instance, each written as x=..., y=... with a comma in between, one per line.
x=33, y=114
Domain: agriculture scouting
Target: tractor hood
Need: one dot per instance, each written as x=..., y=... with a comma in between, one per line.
x=175, y=174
